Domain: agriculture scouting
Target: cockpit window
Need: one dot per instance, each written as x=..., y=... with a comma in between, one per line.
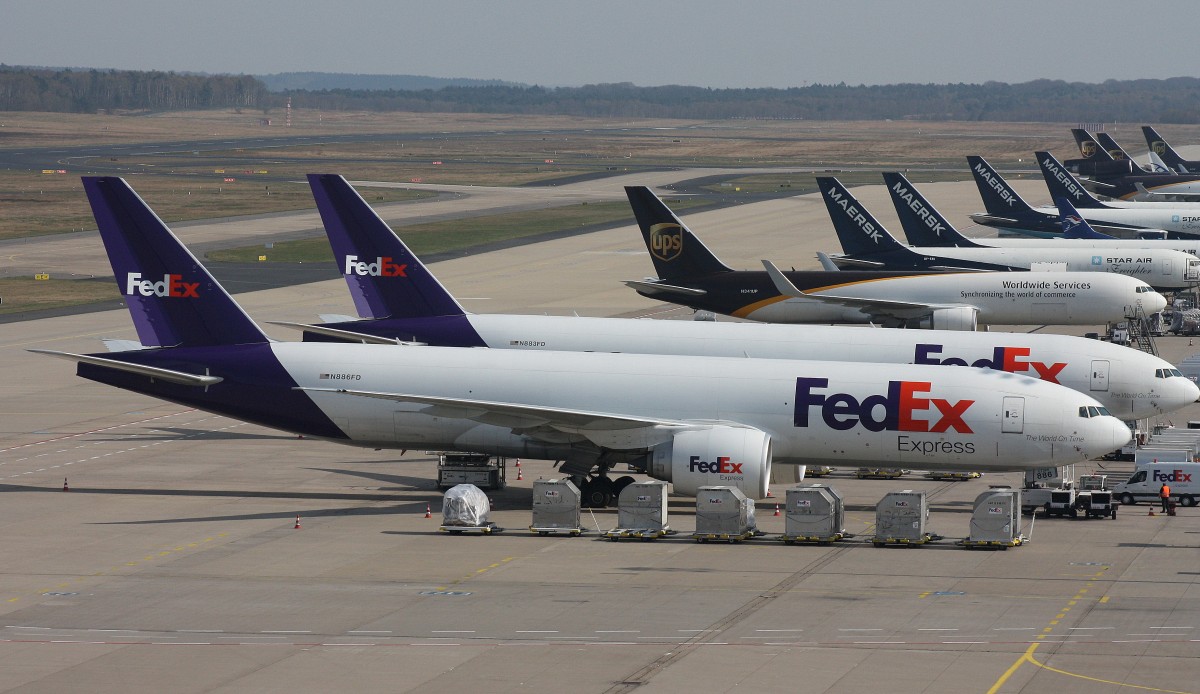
x=1104, y=411
x=1089, y=411
x=1093, y=411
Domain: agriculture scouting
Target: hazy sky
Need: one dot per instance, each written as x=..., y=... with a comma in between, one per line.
x=707, y=43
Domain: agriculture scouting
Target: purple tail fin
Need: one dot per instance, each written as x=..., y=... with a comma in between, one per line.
x=386, y=280
x=173, y=299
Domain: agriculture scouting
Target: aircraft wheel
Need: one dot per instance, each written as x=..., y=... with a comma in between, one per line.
x=600, y=492
x=621, y=483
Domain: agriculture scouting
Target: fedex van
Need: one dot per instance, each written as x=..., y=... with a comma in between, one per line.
x=1148, y=478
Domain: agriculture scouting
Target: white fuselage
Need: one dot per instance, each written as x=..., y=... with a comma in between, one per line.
x=1001, y=298
x=1163, y=267
x=1130, y=383
x=855, y=414
x=1149, y=215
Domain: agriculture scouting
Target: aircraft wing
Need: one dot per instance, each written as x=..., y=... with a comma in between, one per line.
x=668, y=289
x=605, y=429
x=882, y=308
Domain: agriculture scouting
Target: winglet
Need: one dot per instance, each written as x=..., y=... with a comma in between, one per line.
x=782, y=284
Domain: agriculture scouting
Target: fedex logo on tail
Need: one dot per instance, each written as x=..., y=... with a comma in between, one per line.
x=169, y=285
x=383, y=266
x=721, y=465
x=896, y=411
x=1172, y=476
x=1009, y=359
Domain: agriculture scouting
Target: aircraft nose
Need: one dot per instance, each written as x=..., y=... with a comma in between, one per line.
x=1119, y=432
x=1180, y=393
x=1153, y=302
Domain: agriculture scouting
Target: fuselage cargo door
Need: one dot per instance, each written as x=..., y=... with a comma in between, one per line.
x=1100, y=375
x=1168, y=267
x=1192, y=271
x=1014, y=415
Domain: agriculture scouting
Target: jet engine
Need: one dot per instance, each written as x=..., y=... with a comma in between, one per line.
x=958, y=318
x=720, y=455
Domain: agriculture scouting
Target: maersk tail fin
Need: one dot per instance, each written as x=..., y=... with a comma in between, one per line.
x=173, y=299
x=386, y=280
x=1063, y=185
x=1074, y=225
x=999, y=199
x=677, y=252
x=922, y=223
x=858, y=231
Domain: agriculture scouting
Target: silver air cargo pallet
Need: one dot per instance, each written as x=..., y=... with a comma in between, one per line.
x=723, y=514
x=995, y=520
x=556, y=508
x=900, y=519
x=814, y=513
x=641, y=512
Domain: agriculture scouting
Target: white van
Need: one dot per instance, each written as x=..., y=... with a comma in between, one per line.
x=1148, y=478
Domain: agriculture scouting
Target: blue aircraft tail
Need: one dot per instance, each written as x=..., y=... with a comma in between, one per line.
x=922, y=223
x=1063, y=185
x=677, y=252
x=857, y=230
x=1074, y=225
x=386, y=280
x=173, y=299
x=999, y=199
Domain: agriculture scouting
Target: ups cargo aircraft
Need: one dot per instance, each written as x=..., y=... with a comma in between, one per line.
x=1008, y=211
x=411, y=305
x=1061, y=183
x=691, y=275
x=868, y=244
x=923, y=225
x=1110, y=171
x=1165, y=152
x=691, y=420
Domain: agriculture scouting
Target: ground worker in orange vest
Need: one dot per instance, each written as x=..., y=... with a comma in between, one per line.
x=1164, y=495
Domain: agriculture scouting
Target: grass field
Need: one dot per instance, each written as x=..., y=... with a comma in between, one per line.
x=28, y=294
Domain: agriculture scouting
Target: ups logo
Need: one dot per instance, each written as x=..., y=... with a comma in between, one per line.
x=1158, y=147
x=1116, y=154
x=1087, y=149
x=666, y=241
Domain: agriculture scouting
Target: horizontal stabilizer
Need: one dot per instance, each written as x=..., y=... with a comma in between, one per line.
x=847, y=263
x=656, y=288
x=347, y=335
x=181, y=377
x=112, y=344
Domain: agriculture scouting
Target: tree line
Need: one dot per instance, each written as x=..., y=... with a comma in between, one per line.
x=1151, y=100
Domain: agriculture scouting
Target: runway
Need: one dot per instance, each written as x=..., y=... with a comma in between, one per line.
x=173, y=563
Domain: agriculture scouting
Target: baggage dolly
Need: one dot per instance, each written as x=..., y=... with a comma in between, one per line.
x=723, y=537
x=643, y=534
x=573, y=532
x=485, y=529
x=813, y=539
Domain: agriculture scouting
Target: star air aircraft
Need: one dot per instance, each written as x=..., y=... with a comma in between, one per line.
x=691, y=420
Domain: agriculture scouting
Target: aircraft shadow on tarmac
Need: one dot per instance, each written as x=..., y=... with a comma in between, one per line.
x=177, y=433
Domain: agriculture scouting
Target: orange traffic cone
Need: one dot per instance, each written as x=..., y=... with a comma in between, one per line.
x=769, y=494
x=518, y=463
x=1151, y=513
x=65, y=487
x=777, y=509
x=519, y=477
x=297, y=527
x=427, y=513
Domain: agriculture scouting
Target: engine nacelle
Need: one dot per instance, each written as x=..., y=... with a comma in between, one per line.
x=729, y=456
x=958, y=318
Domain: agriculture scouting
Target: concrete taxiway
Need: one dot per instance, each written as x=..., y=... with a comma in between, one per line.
x=173, y=563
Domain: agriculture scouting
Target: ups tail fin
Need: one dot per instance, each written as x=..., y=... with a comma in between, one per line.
x=677, y=252
x=1089, y=147
x=858, y=231
x=999, y=199
x=1073, y=224
x=922, y=223
x=1166, y=152
x=1063, y=185
x=172, y=298
x=1116, y=151
x=386, y=280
